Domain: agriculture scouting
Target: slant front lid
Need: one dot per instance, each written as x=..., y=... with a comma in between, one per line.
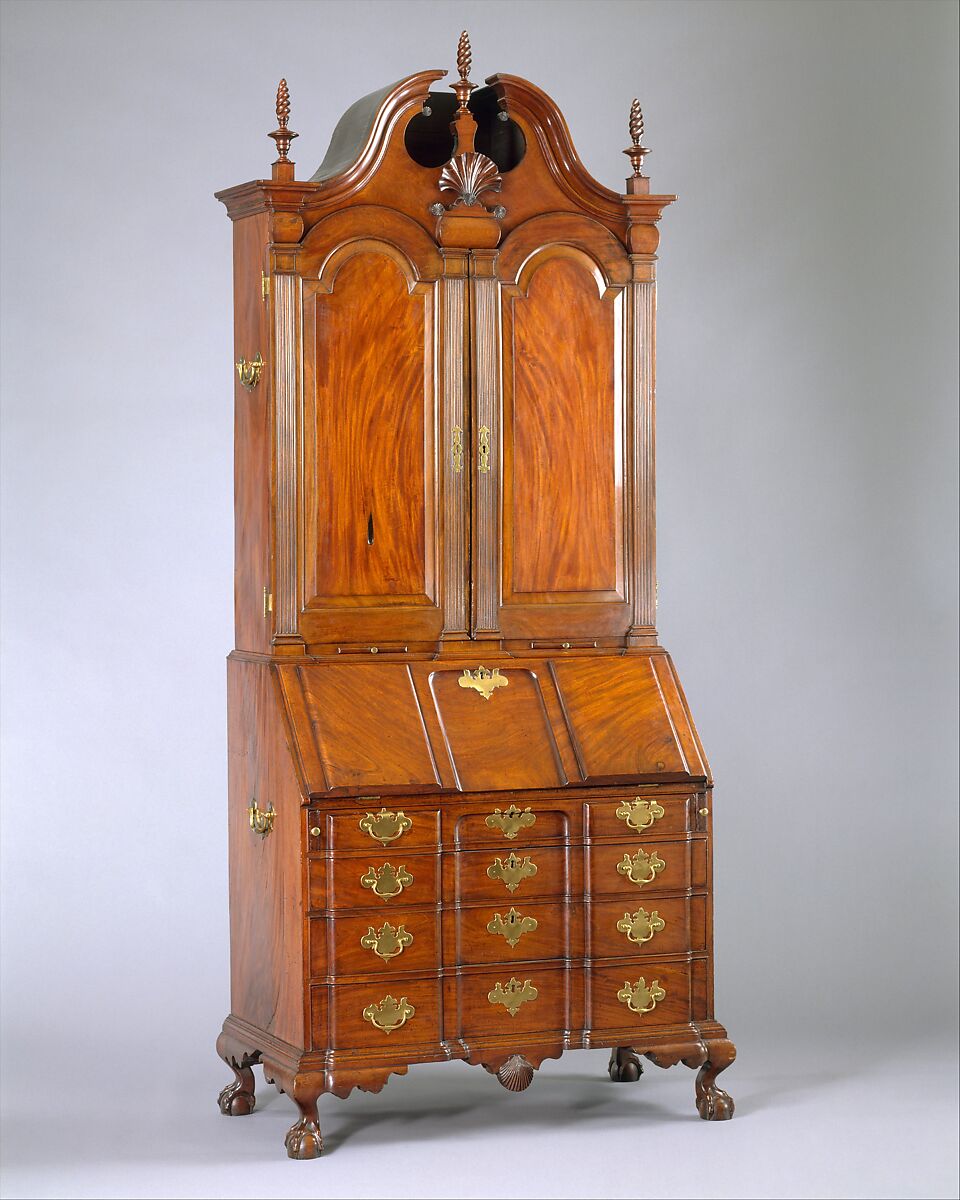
x=426, y=726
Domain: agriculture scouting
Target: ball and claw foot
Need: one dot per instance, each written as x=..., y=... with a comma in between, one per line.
x=624, y=1065
x=303, y=1140
x=713, y=1103
x=237, y=1099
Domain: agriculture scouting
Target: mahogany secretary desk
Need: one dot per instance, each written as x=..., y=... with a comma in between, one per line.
x=470, y=816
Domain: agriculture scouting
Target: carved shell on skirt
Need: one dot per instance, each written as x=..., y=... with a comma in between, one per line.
x=469, y=176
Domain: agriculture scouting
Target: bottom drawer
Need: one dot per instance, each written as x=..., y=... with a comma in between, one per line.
x=637, y=995
x=371, y=1015
x=513, y=999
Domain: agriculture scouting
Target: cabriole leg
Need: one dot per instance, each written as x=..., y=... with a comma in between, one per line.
x=237, y=1099
x=713, y=1104
x=624, y=1065
x=303, y=1139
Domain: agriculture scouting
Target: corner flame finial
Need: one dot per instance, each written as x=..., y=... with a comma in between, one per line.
x=636, y=152
x=282, y=135
x=463, y=87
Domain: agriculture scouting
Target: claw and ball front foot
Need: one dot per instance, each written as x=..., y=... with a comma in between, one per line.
x=713, y=1103
x=624, y=1065
x=303, y=1140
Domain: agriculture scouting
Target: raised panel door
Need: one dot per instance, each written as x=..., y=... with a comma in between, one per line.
x=555, y=441
x=371, y=533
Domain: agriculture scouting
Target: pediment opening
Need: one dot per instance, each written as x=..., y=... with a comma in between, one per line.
x=430, y=143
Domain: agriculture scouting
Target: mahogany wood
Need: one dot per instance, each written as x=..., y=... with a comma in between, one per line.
x=483, y=815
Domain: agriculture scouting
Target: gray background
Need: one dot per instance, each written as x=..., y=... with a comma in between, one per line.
x=807, y=497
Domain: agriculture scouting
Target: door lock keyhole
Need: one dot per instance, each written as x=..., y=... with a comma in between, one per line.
x=370, y=530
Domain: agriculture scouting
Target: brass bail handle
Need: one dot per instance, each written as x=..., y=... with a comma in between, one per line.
x=249, y=372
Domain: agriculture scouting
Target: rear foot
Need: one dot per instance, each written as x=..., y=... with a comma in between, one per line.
x=713, y=1103
x=624, y=1065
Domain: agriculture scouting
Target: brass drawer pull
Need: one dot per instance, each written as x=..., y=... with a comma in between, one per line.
x=512, y=927
x=512, y=872
x=511, y=821
x=387, y=881
x=641, y=925
x=385, y=826
x=389, y=1014
x=642, y=867
x=638, y=997
x=386, y=941
x=513, y=995
x=483, y=681
x=639, y=814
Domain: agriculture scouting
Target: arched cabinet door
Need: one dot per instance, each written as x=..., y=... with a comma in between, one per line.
x=550, y=433
x=369, y=525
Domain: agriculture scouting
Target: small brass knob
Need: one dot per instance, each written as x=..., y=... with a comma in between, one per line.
x=704, y=812
x=315, y=831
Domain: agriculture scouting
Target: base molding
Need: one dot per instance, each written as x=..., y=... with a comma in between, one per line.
x=307, y=1075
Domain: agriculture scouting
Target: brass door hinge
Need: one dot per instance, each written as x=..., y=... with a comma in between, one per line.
x=264, y=286
x=267, y=602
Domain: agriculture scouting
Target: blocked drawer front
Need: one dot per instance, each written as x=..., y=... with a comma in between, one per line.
x=641, y=926
x=507, y=1001
x=499, y=874
x=639, y=995
x=394, y=940
x=639, y=815
x=375, y=825
x=516, y=930
x=373, y=880
x=497, y=823
x=387, y=1015
x=632, y=868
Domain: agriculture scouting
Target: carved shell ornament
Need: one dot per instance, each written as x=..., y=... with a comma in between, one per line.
x=468, y=177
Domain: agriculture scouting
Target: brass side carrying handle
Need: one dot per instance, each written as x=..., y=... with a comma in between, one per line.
x=249, y=372
x=261, y=821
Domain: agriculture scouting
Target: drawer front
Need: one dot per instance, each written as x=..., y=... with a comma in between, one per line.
x=371, y=1016
x=374, y=827
x=640, y=926
x=384, y=880
x=639, y=995
x=640, y=815
x=510, y=825
x=516, y=930
x=395, y=940
x=505, y=874
x=510, y=1001
x=632, y=868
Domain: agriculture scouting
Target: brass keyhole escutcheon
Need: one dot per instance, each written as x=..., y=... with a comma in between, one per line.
x=512, y=995
x=511, y=821
x=513, y=871
x=512, y=927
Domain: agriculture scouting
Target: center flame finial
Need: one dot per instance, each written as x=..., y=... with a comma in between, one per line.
x=463, y=87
